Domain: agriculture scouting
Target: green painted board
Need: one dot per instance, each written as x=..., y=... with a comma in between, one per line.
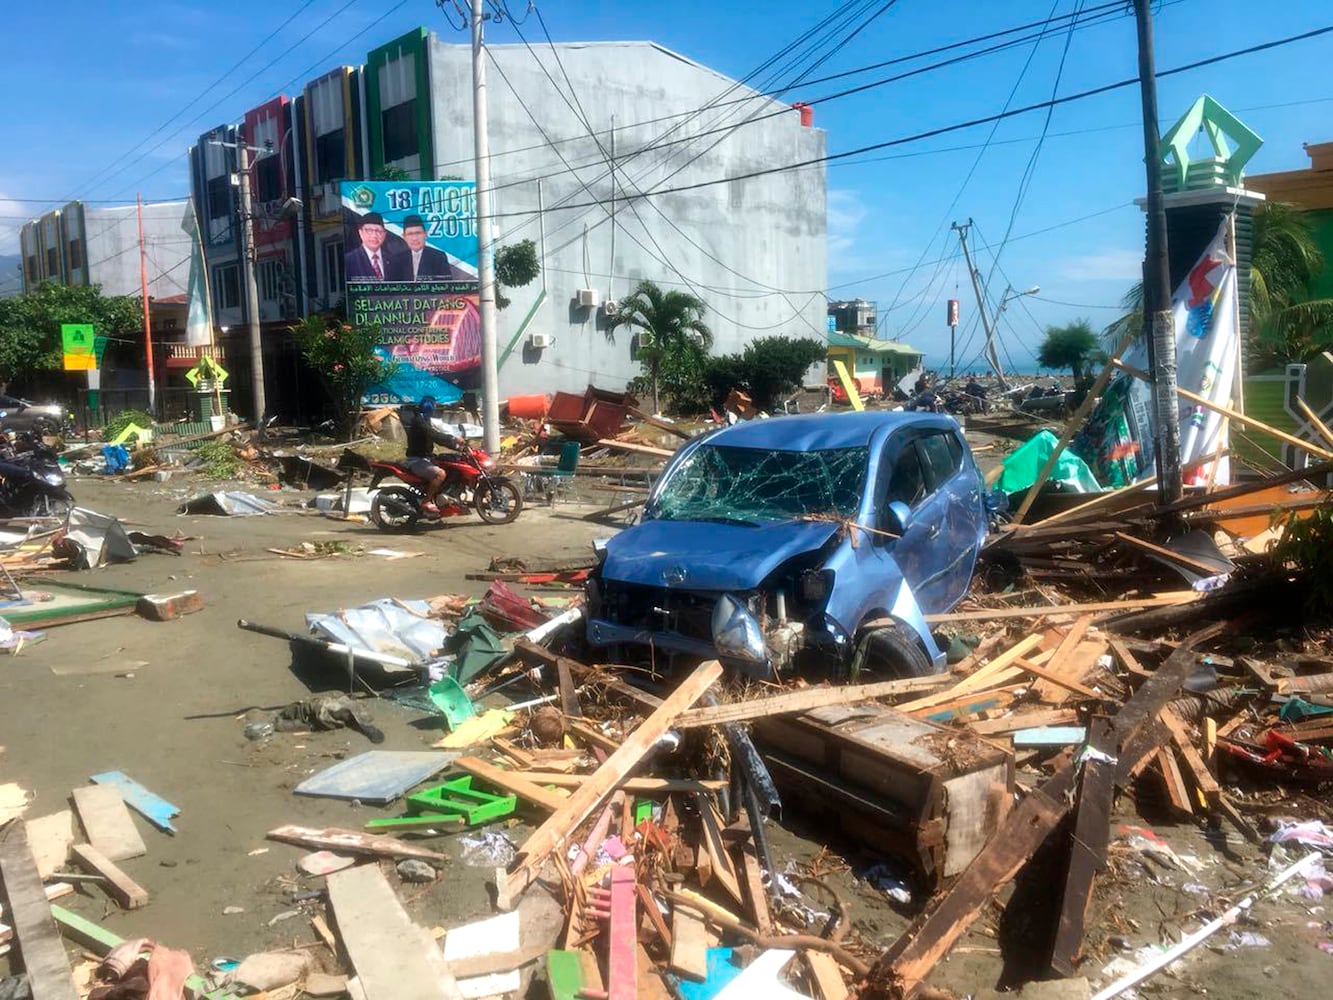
x=564, y=974
x=425, y=819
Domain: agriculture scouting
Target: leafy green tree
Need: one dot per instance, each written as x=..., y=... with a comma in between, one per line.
x=1073, y=346
x=516, y=265
x=1287, y=323
x=771, y=367
x=665, y=322
x=343, y=357
x=30, y=325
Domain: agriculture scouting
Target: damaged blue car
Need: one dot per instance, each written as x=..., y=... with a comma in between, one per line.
x=774, y=544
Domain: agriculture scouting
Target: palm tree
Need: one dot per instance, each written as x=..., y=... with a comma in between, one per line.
x=666, y=322
x=1285, y=260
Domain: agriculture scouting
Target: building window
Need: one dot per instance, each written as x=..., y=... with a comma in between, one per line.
x=331, y=156
x=52, y=263
x=227, y=286
x=75, y=254
x=400, y=131
x=334, y=263
x=269, y=275
x=219, y=197
x=33, y=276
x=268, y=178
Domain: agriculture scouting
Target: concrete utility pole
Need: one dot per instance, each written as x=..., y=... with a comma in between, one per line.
x=147, y=317
x=490, y=371
x=251, y=286
x=1157, y=321
x=991, y=356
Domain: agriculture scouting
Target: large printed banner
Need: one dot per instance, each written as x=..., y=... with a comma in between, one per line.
x=411, y=268
x=1118, y=440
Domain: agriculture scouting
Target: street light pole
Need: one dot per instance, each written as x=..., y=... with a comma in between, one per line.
x=1158, y=325
x=251, y=286
x=490, y=372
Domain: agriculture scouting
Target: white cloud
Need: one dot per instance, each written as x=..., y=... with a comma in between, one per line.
x=1109, y=265
x=12, y=215
x=846, y=212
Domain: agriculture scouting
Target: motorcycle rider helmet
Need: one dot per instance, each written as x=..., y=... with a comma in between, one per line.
x=426, y=406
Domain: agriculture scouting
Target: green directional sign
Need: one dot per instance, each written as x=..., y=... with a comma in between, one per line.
x=76, y=344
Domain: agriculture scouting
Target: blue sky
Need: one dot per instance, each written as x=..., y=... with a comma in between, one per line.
x=100, y=78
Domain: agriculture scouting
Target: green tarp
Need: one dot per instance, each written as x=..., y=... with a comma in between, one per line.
x=1025, y=463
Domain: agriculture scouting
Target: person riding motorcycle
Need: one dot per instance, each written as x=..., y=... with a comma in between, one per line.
x=422, y=436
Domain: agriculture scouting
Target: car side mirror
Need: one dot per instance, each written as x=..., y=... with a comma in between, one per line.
x=897, y=518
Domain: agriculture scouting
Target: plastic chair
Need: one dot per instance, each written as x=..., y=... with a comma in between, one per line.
x=558, y=479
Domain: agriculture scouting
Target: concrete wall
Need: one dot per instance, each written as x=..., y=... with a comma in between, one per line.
x=731, y=244
x=113, y=248
x=100, y=246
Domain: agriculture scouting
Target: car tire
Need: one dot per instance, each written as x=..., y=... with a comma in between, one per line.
x=894, y=652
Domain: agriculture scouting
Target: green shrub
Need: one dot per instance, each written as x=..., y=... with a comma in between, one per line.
x=123, y=419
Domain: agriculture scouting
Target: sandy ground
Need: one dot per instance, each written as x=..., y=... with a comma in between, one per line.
x=118, y=694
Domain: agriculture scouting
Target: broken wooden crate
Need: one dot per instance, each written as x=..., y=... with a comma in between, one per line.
x=908, y=788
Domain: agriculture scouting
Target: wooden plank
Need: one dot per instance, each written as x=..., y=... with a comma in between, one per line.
x=390, y=954
x=662, y=425
x=803, y=701
x=724, y=867
x=107, y=823
x=1063, y=682
x=636, y=786
x=1176, y=558
x=49, y=838
x=986, y=676
x=119, y=886
x=622, y=965
x=1087, y=854
x=1024, y=720
x=1175, y=782
x=648, y=980
x=554, y=833
x=569, y=698
x=1315, y=422
x=592, y=736
x=995, y=614
x=755, y=895
x=689, y=944
x=1127, y=659
x=829, y=984
x=39, y=945
x=638, y=449
x=1059, y=661
x=1189, y=754
x=510, y=781
x=351, y=842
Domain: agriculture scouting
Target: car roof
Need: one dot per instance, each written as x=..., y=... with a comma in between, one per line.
x=822, y=431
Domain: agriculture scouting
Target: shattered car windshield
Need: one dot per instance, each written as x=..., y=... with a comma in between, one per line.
x=752, y=485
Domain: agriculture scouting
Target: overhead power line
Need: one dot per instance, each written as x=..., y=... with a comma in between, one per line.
x=971, y=123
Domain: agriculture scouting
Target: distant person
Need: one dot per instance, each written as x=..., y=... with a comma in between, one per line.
x=975, y=388
x=371, y=261
x=426, y=263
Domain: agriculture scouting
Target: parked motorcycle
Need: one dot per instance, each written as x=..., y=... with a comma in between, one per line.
x=470, y=483
x=32, y=484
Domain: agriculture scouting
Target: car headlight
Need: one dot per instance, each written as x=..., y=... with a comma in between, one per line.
x=736, y=632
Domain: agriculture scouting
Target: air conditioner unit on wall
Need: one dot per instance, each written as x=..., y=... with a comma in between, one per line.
x=588, y=298
x=610, y=307
x=538, y=341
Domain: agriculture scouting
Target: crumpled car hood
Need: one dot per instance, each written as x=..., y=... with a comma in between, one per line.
x=700, y=555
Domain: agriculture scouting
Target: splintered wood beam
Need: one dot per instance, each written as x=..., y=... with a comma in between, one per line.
x=902, y=969
x=39, y=946
x=553, y=834
x=1092, y=832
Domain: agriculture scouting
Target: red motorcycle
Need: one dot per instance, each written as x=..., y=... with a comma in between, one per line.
x=469, y=482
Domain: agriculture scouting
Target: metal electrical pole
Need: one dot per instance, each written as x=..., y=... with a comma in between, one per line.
x=490, y=372
x=147, y=317
x=1157, y=321
x=251, y=286
x=991, y=357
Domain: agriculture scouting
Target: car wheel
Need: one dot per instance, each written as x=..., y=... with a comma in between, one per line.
x=894, y=652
